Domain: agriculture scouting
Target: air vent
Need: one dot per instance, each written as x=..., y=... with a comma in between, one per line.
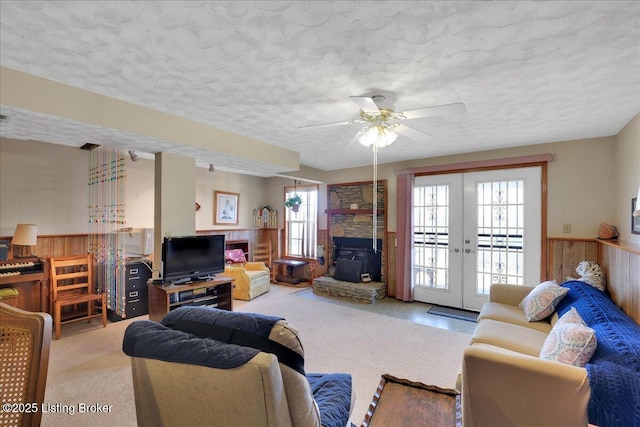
x=89, y=146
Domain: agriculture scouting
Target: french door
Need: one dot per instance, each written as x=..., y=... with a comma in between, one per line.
x=474, y=229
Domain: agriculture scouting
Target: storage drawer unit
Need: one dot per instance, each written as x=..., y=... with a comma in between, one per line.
x=136, y=291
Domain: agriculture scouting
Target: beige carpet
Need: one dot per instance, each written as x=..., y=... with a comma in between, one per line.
x=87, y=365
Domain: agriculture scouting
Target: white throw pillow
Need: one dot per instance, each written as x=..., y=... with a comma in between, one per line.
x=542, y=301
x=570, y=341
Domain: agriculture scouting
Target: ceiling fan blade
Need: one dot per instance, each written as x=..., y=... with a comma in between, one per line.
x=410, y=132
x=350, y=122
x=366, y=104
x=438, y=110
x=355, y=139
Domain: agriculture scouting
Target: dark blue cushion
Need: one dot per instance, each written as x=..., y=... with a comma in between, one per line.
x=151, y=340
x=332, y=393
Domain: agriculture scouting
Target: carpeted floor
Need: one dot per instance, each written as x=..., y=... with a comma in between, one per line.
x=87, y=364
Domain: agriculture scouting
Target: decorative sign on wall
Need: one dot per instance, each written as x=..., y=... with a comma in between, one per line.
x=225, y=208
x=265, y=218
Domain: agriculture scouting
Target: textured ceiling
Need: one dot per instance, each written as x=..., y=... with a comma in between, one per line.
x=528, y=72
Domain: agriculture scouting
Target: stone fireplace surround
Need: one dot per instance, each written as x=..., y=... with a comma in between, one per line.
x=350, y=221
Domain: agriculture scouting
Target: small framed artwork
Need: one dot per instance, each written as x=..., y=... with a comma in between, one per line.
x=635, y=220
x=225, y=208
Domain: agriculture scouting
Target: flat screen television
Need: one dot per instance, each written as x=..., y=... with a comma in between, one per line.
x=192, y=258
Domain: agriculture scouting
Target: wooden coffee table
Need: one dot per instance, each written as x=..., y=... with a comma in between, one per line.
x=403, y=403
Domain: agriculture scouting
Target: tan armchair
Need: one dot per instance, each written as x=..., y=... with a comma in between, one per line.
x=252, y=279
x=205, y=366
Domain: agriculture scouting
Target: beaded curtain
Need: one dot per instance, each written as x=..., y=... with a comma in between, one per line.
x=107, y=214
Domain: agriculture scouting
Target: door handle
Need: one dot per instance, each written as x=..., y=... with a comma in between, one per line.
x=469, y=251
x=456, y=250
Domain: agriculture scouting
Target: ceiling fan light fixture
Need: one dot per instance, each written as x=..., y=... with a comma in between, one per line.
x=377, y=136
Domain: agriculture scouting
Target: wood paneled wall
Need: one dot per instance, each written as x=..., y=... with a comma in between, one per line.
x=58, y=245
x=76, y=244
x=621, y=264
x=391, y=263
x=252, y=235
x=566, y=254
x=619, y=260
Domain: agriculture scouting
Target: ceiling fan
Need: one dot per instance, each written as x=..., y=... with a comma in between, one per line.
x=383, y=123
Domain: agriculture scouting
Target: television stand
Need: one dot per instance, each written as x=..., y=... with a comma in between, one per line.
x=169, y=296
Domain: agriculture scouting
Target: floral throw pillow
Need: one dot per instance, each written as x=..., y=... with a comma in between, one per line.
x=542, y=301
x=571, y=316
x=570, y=341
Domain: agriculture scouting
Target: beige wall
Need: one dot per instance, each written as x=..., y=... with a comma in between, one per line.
x=43, y=184
x=46, y=184
x=252, y=191
x=580, y=171
x=590, y=181
x=627, y=171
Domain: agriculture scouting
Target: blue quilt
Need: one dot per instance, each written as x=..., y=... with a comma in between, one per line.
x=332, y=393
x=614, y=369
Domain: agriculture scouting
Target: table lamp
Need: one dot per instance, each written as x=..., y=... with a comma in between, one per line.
x=25, y=235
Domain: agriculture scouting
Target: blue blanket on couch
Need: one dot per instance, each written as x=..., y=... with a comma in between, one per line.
x=614, y=369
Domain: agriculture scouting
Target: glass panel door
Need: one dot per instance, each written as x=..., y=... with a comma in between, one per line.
x=474, y=229
x=502, y=231
x=436, y=239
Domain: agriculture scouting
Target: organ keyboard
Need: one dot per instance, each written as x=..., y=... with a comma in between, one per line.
x=28, y=276
x=16, y=267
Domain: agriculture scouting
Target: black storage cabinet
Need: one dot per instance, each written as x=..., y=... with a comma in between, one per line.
x=137, y=296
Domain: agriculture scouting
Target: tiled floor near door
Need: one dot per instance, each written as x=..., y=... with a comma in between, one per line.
x=412, y=311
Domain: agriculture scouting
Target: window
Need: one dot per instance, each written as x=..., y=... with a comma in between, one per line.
x=301, y=227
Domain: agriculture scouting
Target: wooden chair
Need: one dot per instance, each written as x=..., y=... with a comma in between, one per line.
x=25, y=339
x=72, y=286
x=261, y=252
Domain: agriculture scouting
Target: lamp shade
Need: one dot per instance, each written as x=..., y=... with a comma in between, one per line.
x=379, y=136
x=25, y=235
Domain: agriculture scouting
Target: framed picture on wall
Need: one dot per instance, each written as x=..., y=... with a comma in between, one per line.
x=225, y=208
x=635, y=220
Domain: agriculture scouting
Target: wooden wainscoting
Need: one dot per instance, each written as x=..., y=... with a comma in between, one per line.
x=391, y=263
x=621, y=264
x=250, y=235
x=565, y=255
x=619, y=260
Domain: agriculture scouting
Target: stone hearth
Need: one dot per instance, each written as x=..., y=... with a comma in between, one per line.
x=359, y=292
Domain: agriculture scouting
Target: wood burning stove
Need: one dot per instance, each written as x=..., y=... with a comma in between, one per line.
x=360, y=249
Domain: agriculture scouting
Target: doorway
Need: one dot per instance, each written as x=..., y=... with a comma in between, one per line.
x=473, y=229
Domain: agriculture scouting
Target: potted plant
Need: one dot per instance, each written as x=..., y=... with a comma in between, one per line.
x=294, y=202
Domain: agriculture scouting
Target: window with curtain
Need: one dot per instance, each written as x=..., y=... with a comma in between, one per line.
x=301, y=227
